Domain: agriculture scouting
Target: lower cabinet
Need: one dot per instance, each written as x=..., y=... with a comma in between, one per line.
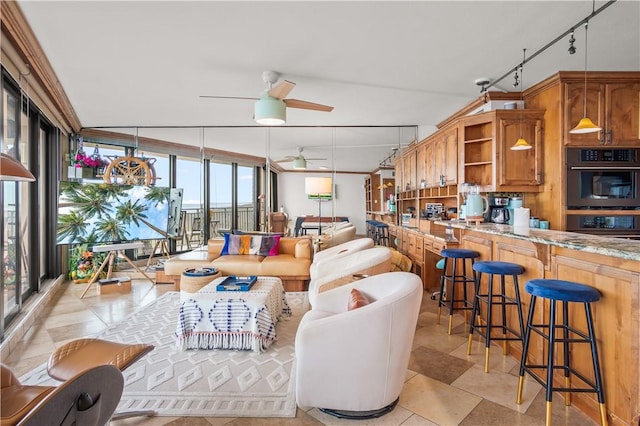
x=616, y=316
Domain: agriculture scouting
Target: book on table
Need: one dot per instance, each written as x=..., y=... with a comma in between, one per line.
x=237, y=283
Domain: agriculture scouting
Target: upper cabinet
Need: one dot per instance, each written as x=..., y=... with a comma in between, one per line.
x=485, y=155
x=612, y=103
x=409, y=168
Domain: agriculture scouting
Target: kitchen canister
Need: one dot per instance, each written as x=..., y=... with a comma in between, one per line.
x=521, y=217
x=544, y=224
x=534, y=222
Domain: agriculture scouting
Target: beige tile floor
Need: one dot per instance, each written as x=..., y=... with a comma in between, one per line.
x=444, y=386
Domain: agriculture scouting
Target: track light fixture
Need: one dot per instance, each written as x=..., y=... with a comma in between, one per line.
x=572, y=48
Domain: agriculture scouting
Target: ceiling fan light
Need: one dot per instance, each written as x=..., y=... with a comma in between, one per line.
x=270, y=111
x=520, y=145
x=585, y=126
x=300, y=163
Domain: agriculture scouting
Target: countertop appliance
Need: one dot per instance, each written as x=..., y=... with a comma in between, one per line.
x=498, y=211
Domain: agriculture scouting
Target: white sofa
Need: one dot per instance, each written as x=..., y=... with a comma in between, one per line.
x=356, y=361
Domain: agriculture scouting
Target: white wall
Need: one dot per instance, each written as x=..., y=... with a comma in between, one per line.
x=350, y=200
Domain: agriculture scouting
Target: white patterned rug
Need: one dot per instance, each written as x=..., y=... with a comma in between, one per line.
x=202, y=383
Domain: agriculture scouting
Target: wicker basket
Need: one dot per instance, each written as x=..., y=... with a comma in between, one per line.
x=193, y=280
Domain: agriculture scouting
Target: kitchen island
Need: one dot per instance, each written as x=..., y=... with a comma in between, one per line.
x=610, y=265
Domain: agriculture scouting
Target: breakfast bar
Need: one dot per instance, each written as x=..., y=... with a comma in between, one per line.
x=612, y=266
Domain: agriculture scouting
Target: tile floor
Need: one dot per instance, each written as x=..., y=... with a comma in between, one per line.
x=444, y=386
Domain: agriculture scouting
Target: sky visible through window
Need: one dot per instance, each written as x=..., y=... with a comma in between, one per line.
x=189, y=178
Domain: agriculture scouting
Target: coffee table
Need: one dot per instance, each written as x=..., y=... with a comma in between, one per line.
x=241, y=320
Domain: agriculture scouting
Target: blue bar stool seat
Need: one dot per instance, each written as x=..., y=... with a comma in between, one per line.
x=455, y=258
x=562, y=292
x=491, y=299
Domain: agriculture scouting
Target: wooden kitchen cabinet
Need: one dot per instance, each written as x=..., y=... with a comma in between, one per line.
x=446, y=157
x=614, y=106
x=409, y=168
x=485, y=155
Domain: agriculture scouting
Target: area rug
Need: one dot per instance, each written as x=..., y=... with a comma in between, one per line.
x=202, y=383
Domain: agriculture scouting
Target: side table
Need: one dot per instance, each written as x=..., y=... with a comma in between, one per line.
x=193, y=279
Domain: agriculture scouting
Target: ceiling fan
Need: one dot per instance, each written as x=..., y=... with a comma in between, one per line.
x=270, y=107
x=299, y=161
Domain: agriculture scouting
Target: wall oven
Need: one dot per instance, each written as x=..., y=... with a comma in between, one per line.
x=603, y=178
x=620, y=226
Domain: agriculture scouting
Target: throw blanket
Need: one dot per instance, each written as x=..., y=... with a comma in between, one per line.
x=230, y=320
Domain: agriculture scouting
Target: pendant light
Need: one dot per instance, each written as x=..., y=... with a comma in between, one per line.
x=585, y=125
x=521, y=144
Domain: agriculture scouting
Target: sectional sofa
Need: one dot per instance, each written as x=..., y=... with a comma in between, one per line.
x=291, y=264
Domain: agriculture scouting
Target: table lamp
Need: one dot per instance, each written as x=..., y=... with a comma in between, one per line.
x=318, y=186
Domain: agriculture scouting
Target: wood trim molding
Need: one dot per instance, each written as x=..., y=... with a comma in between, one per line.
x=17, y=29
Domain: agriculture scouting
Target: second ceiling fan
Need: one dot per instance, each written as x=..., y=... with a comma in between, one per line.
x=299, y=162
x=270, y=107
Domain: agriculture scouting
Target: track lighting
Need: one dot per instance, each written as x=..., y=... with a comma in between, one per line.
x=572, y=48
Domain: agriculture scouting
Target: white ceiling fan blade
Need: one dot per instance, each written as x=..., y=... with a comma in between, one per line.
x=228, y=97
x=286, y=159
x=282, y=89
x=296, y=103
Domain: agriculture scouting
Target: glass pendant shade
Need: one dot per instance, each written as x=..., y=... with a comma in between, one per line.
x=13, y=170
x=520, y=145
x=585, y=126
x=300, y=163
x=270, y=111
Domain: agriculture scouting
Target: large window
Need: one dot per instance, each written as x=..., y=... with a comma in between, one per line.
x=220, y=197
x=247, y=205
x=23, y=136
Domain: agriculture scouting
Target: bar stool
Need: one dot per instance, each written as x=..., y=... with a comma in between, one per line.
x=455, y=256
x=381, y=233
x=565, y=292
x=502, y=269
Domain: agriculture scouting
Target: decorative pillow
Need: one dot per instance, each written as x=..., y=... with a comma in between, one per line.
x=250, y=244
x=269, y=234
x=356, y=300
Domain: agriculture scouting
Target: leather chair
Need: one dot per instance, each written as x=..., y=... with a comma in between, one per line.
x=82, y=354
x=88, y=398
x=345, y=269
x=353, y=363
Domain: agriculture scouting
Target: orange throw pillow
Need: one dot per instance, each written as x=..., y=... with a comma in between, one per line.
x=356, y=300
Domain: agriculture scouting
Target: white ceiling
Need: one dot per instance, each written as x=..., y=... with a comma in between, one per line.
x=384, y=63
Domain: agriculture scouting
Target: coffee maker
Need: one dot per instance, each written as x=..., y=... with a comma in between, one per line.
x=498, y=211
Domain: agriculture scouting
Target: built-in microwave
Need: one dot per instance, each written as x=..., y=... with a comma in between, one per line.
x=603, y=178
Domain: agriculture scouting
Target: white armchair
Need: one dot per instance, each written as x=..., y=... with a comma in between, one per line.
x=352, y=364
x=340, y=250
x=341, y=270
x=338, y=234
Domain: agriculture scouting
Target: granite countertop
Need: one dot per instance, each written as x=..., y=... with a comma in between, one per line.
x=615, y=247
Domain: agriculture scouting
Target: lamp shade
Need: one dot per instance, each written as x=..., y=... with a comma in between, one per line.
x=270, y=111
x=13, y=170
x=585, y=126
x=317, y=185
x=300, y=163
x=520, y=145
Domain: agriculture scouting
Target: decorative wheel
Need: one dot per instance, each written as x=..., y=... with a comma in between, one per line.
x=130, y=171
